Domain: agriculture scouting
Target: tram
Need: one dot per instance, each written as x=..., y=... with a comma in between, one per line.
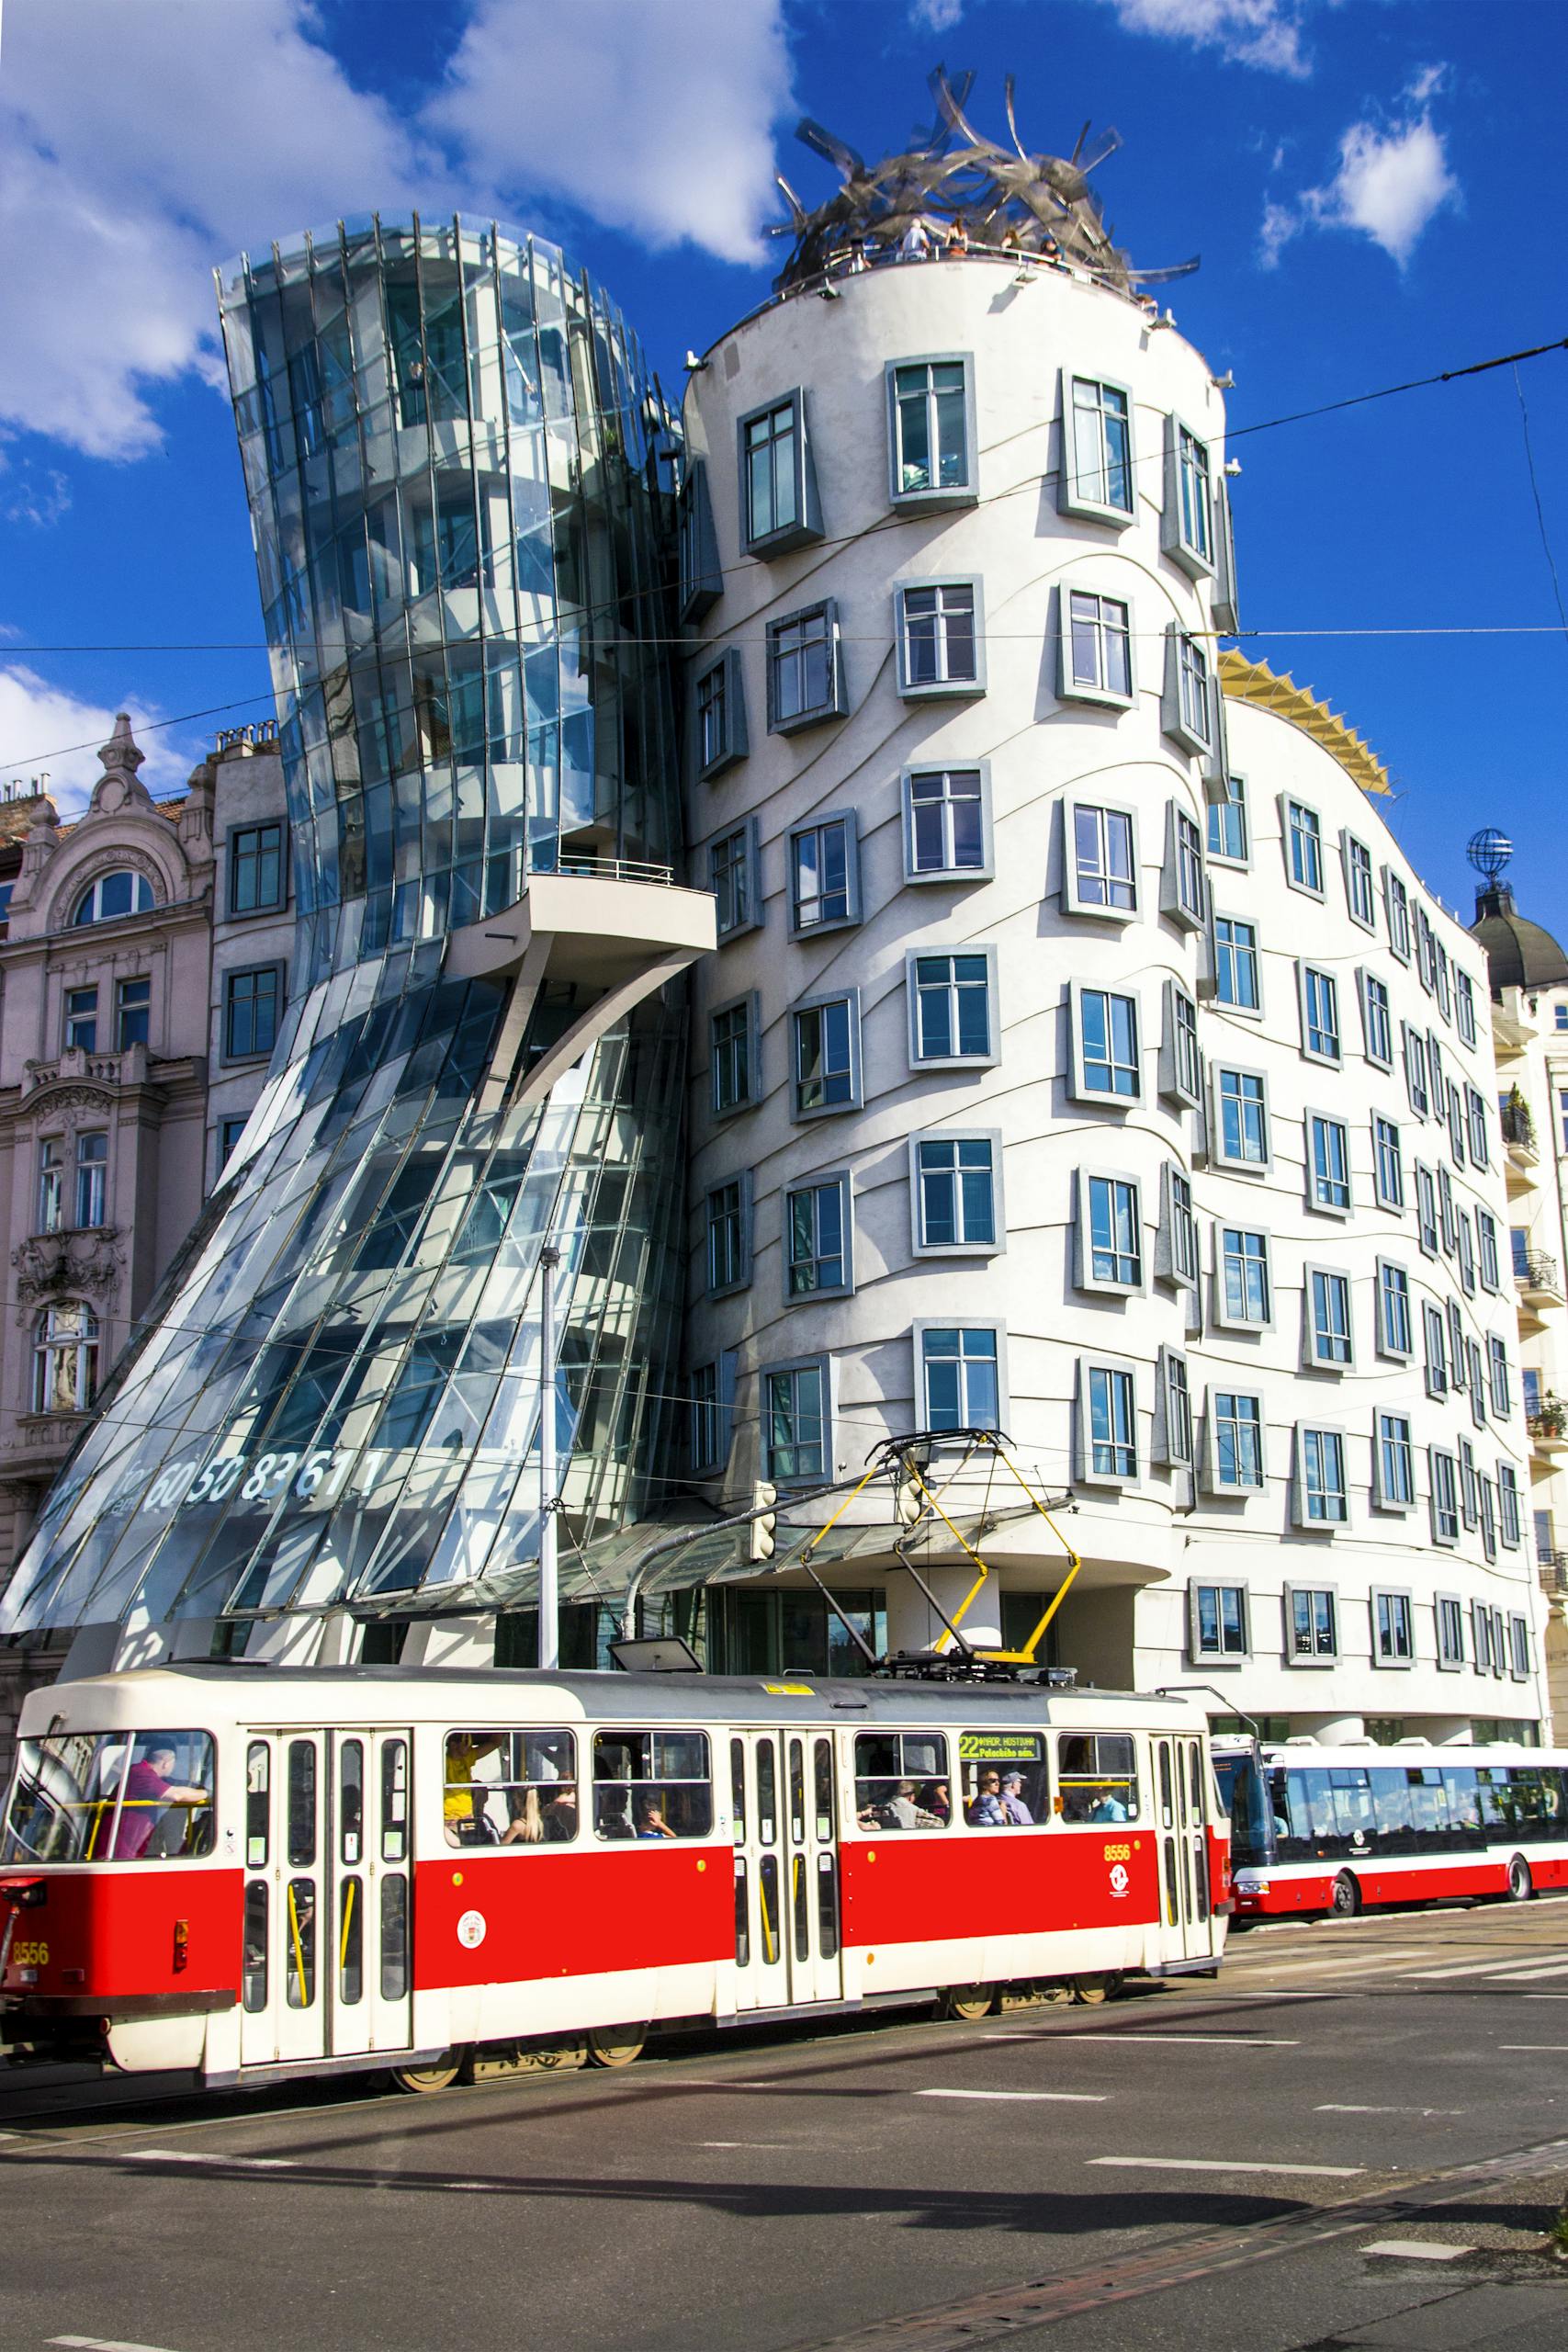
x=249, y=1873
x=1329, y=1828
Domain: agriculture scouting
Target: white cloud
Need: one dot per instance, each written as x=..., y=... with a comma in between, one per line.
x=1426, y=84
x=1265, y=33
x=935, y=15
x=653, y=116
x=139, y=145
x=1389, y=185
x=38, y=723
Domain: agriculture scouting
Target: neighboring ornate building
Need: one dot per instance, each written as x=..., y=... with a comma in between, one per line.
x=141, y=980
x=1529, y=1031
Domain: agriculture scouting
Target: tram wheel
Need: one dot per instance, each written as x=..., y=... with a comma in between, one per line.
x=967, y=2002
x=1346, y=1896
x=1521, y=1886
x=1092, y=1990
x=616, y=2045
x=446, y=2070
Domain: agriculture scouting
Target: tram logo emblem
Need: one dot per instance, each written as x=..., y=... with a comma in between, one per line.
x=1121, y=1878
x=471, y=1930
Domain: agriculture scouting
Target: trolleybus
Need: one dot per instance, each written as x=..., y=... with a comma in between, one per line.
x=1328, y=1828
x=244, y=1872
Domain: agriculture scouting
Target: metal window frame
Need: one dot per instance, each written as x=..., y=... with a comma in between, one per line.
x=744, y=1178
x=939, y=495
x=913, y=956
x=816, y=1001
x=828, y=1180
x=1071, y=689
x=823, y=1362
x=1166, y=1446
x=1383, y=1500
x=737, y=739
x=1386, y=1345
x=1221, y=1315
x=1382, y=1198
x=1225, y=796
x=920, y=1248
x=1435, y=1453
x=1287, y=802
x=1366, y=980
x=1347, y=840
x=1317, y=1660
x=1173, y=720
x=752, y=1003
x=959, y=1321
x=1305, y=970
x=1196, y=1654
x=1390, y=1592
x=1172, y=904
x=849, y=819
x=1225, y=1003
x=1089, y=1363
x=701, y=579
x=1073, y=902
x=1077, y=990
x=1455, y=1602
x=1299, y=1514
x=1311, y=1360
x=1172, y=537
x=231, y=862
x=1188, y=1092
x=920, y=877
x=1084, y=1276
x=1340, y=1210
x=745, y=831
x=837, y=705
x=1069, y=500
x=1212, y=1479
x=278, y=969
x=1218, y=1073
x=808, y=526
x=942, y=689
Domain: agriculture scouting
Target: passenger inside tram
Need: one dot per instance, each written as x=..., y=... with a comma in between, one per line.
x=510, y=1788
x=1006, y=1783
x=1098, y=1777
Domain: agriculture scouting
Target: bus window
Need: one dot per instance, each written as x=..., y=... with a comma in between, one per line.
x=510, y=1788
x=68, y=1787
x=901, y=1780
x=1098, y=1776
x=351, y=1942
x=351, y=1801
x=651, y=1785
x=395, y=1801
x=1004, y=1782
x=255, y=1939
x=301, y=1803
x=1464, y=1805
x=1244, y=1797
x=1428, y=1809
x=1391, y=1808
x=737, y=1790
x=1352, y=1805
x=258, y=1803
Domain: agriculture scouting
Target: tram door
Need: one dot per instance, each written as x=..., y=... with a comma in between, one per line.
x=785, y=1806
x=1203, y=1935
x=372, y=1990
x=1183, y=1853
x=282, y=1995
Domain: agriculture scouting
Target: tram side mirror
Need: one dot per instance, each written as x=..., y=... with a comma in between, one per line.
x=666, y=1654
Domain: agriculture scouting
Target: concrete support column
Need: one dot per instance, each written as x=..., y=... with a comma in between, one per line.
x=912, y=1624
x=1334, y=1731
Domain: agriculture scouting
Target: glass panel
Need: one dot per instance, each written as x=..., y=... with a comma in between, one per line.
x=767, y=1791
x=253, y=1964
x=510, y=1788
x=742, y=1914
x=823, y=1778
x=901, y=1781
x=768, y=1907
x=651, y=1785
x=1097, y=1774
x=111, y=1796
x=394, y=1800
x=301, y=1840
x=299, y=1951
x=797, y=1790
x=258, y=1803
x=737, y=1789
x=351, y=1941
x=394, y=1938
x=801, y=1887
x=351, y=1800
x=827, y=1906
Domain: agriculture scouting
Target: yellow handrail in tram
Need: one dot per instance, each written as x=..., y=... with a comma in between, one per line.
x=347, y=1916
x=770, y=1951
x=299, y=1948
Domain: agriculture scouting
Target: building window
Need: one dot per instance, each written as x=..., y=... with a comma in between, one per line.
x=1442, y=1472
x=826, y=1055
x=817, y=1237
x=1187, y=714
x=255, y=868
x=729, y=1236
x=1475, y=1382
x=65, y=1358
x=1392, y=1617
x=228, y=1134
x=1395, y=1462
x=1102, y=861
x=777, y=487
x=1361, y=898
x=111, y=896
x=1481, y=1637
x=50, y=1185
x=1508, y=1511
x=1464, y=1007
x=1096, y=648
x=733, y=1046
x=1328, y=1331
x=1497, y=1362
x=1426, y=1210
x=1426, y=948
x=824, y=876
x=1396, y=906
x=1328, y=1152
x=1235, y=1442
x=805, y=670
x=1235, y=965
x=1177, y=1259
x=1323, y=1500
x=1448, y=1219
x=249, y=1010
x=1228, y=823
x=1443, y=974
x=1456, y=1343
x=732, y=877
x=955, y=1181
x=708, y=1451
x=1189, y=516
x=1304, y=848
x=939, y=638
x=1377, y=1026
x=722, y=736
x=951, y=1014
x=1112, y=1432
x=702, y=581
x=1466, y=1254
x=1476, y=1111
x=1242, y=1100
x=931, y=425
x=1184, y=897
x=1415, y=1079
x=133, y=1010
x=796, y=1442
x=82, y=1020
x=960, y=1379
x=1110, y=1241
x=1181, y=1064
x=1519, y=1649
x=1176, y=1396
x=1311, y=1616
x=1434, y=1342
x=91, y=1179
x=1106, y=1032
x=1246, y=1292
x=1099, y=474
x=1320, y=1013
x=1388, y=1164
x=1395, y=1327
x=945, y=827
x=1219, y=1621
x=1451, y=1631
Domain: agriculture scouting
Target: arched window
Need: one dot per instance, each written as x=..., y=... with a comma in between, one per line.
x=65, y=1358
x=120, y=893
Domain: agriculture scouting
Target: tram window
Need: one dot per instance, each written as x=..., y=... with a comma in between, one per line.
x=737, y=1790
x=901, y=1780
x=394, y=1938
x=351, y=1801
x=802, y=1895
x=395, y=1801
x=1195, y=1779
x=650, y=1785
x=1172, y=1908
x=823, y=1775
x=351, y=1942
x=768, y=1908
x=767, y=1790
x=102, y=1796
x=1004, y=1780
x=254, y=1978
x=299, y=1947
x=742, y=1914
x=1098, y=1776
x=510, y=1788
x=827, y=1906
x=1167, y=1794
x=301, y=1803
x=1199, y=1879
x=797, y=1790
x=258, y=1803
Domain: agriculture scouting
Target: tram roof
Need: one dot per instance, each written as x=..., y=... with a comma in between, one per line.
x=260, y=1694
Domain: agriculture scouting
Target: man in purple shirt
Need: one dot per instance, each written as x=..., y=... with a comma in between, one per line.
x=149, y=1790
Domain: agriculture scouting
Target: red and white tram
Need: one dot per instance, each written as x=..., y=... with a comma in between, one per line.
x=1328, y=1828
x=247, y=1872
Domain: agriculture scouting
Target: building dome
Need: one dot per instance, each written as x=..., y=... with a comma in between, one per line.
x=1520, y=955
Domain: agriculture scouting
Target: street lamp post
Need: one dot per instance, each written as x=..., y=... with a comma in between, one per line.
x=550, y=1598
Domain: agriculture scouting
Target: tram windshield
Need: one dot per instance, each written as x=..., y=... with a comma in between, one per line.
x=111, y=1797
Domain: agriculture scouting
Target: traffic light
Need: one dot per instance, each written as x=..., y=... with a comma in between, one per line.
x=764, y=1495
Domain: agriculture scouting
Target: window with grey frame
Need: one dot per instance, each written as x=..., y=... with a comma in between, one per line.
x=1393, y=1628
x=1320, y=1014
x=732, y=879
x=1178, y=1260
x=1330, y=1346
x=733, y=1053
x=1185, y=900
x=1442, y=1475
x=256, y=873
x=1396, y=1335
x=1476, y=1122
x=952, y=1018
x=1312, y=1619
x=1435, y=1350
x=1235, y=1442
x=1323, y=1498
x=1328, y=1163
x=1396, y=912
x=944, y=821
x=1395, y=1464
x=1510, y=1517
x=1102, y=854
x=1108, y=1053
x=1189, y=518
x=1218, y=1621
x=777, y=486
x=1499, y=1379
x=1112, y=1239
x=1449, y=1612
x=795, y=1434
x=1097, y=427
x=1229, y=830
x=960, y=1376
x=1237, y=980
x=939, y=641
x=708, y=1451
x=727, y=1212
x=955, y=1193
x=1488, y=1263
x=1360, y=891
x=258, y=1014
x=1388, y=1163
x=929, y=414
x=1242, y=1264
x=721, y=715
x=805, y=669
x=252, y=1000
x=1181, y=1063
x=1377, y=1025
x=1096, y=647
x=1466, y=1254
x=1475, y=1382
x=1519, y=1647
x=1426, y=1210
x=824, y=877
x=1464, y=1005
x=1241, y=1099
x=1111, y=1414
x=1188, y=715
x=817, y=1237
x=701, y=577
x=1456, y=1345
x=824, y=1056
x=1304, y=848
x=1176, y=1404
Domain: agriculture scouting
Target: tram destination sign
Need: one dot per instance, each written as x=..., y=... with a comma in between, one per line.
x=999, y=1747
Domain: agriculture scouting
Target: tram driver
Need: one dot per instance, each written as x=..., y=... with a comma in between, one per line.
x=157, y=1812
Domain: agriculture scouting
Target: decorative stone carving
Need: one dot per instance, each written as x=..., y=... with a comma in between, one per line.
x=67, y=1264
x=67, y=1097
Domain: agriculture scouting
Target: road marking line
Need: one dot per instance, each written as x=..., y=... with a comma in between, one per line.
x=1074, y=2098
x=741, y=2143
x=1129, y=2034
x=208, y=2157
x=1546, y=1996
x=1530, y=1967
x=104, y=2344
x=1533, y=2045
x=1219, y=2163
x=1550, y=1968
x=1340, y=1962
x=1417, y=2250
x=1332, y=2107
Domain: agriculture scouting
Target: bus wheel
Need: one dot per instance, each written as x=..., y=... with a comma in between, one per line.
x=1346, y=1896
x=1521, y=1885
x=446, y=2070
x=967, y=2002
x=616, y=2045
x=1092, y=1990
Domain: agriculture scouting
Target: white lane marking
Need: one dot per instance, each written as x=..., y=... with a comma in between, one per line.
x=1341, y=1962
x=1533, y=2045
x=1546, y=1996
x=104, y=2344
x=740, y=2144
x=1331, y=2106
x=1218, y=2164
x=208, y=2157
x=1545, y=1968
x=1124, y=2035
x=1073, y=2099
x=1417, y=2250
x=1527, y=1967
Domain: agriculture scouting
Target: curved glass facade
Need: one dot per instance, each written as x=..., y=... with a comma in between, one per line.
x=460, y=473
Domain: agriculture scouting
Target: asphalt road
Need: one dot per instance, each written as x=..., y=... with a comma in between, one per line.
x=1356, y=2139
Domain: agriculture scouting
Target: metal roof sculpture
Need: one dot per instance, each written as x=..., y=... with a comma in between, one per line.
x=952, y=179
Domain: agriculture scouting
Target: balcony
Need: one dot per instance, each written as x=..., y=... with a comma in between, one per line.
x=1548, y=1427
x=1537, y=1278
x=1552, y=1568
x=1521, y=1153
x=128, y=1067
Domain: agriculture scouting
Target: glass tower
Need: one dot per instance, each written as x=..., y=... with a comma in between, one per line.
x=460, y=479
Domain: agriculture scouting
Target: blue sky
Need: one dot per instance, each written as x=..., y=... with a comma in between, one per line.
x=1376, y=188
